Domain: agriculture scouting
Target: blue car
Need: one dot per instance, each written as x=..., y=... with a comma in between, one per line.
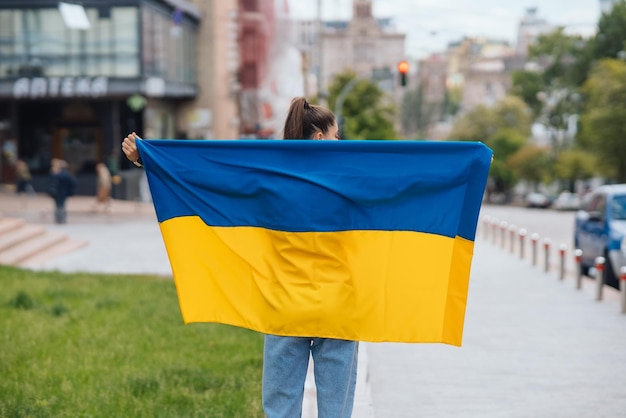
x=600, y=230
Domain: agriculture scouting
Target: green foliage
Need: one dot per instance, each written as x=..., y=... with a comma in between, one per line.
x=367, y=113
x=604, y=129
x=559, y=53
x=453, y=98
x=611, y=34
x=115, y=346
x=527, y=85
x=504, y=128
x=573, y=164
x=476, y=125
x=531, y=163
x=22, y=301
x=480, y=123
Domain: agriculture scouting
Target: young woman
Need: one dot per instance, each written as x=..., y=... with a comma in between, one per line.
x=286, y=359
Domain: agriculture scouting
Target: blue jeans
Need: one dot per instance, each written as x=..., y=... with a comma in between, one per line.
x=285, y=363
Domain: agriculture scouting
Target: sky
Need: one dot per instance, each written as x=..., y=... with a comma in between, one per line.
x=431, y=24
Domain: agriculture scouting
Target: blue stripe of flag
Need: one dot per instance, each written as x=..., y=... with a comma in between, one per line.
x=322, y=186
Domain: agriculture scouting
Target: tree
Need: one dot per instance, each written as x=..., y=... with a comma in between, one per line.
x=557, y=53
x=366, y=112
x=476, y=125
x=505, y=128
x=603, y=126
x=573, y=165
x=480, y=123
x=531, y=163
x=611, y=33
x=527, y=85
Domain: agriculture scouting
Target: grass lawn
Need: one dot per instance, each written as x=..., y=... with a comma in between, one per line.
x=92, y=345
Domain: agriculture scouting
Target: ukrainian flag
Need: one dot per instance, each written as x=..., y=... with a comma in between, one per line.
x=358, y=240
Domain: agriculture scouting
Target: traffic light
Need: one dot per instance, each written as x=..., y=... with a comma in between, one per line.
x=403, y=69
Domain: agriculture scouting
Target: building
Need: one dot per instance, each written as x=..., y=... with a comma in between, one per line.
x=72, y=89
x=531, y=26
x=369, y=46
x=257, y=24
x=73, y=84
x=214, y=112
x=481, y=68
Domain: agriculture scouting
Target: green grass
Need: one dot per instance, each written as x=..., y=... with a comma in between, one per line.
x=88, y=345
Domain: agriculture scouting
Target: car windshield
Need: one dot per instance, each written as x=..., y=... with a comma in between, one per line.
x=618, y=207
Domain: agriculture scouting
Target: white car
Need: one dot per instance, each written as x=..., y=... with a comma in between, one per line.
x=567, y=201
x=537, y=200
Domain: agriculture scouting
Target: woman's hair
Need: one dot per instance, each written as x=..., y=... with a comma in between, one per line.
x=304, y=120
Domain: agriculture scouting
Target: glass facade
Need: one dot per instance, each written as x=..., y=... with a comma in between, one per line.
x=36, y=43
x=169, y=47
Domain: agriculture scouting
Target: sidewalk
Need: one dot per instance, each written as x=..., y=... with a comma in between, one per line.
x=533, y=346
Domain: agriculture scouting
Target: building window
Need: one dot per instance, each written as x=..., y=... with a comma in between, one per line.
x=36, y=42
x=168, y=49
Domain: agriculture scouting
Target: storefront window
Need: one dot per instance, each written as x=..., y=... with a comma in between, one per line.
x=36, y=42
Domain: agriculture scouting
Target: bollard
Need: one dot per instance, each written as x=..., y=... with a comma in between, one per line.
x=503, y=227
x=599, y=277
x=522, y=237
x=622, y=287
x=534, y=238
x=494, y=231
x=578, y=257
x=546, y=250
x=562, y=251
x=512, y=230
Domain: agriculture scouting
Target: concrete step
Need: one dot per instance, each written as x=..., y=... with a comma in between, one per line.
x=65, y=247
x=10, y=224
x=29, y=248
x=18, y=235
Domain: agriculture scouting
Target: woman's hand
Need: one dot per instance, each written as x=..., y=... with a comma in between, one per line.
x=130, y=147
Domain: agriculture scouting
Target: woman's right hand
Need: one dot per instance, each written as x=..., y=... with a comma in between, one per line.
x=129, y=147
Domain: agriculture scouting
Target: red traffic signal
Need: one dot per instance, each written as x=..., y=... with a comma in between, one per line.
x=403, y=69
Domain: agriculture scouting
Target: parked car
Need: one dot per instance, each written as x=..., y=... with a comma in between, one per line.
x=537, y=200
x=600, y=228
x=567, y=201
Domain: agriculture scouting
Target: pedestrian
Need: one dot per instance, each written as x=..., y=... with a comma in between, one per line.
x=286, y=359
x=23, y=177
x=103, y=188
x=61, y=186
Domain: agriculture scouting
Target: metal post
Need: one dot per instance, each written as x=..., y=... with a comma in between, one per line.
x=503, y=227
x=512, y=230
x=562, y=250
x=578, y=257
x=534, y=239
x=321, y=94
x=522, y=238
x=546, y=248
x=622, y=287
x=599, y=277
x=342, y=97
x=494, y=231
